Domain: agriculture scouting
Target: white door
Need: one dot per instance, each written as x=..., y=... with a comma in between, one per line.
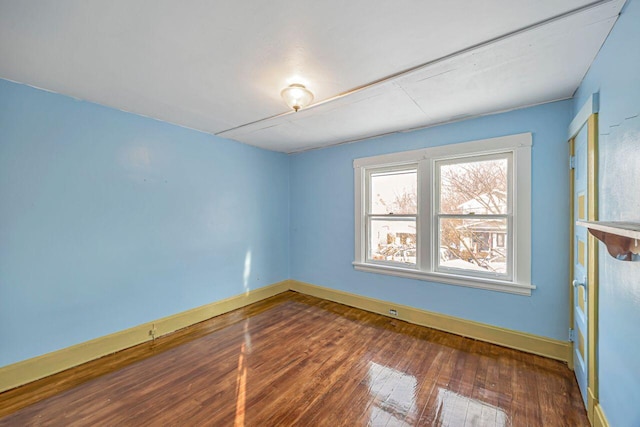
x=580, y=260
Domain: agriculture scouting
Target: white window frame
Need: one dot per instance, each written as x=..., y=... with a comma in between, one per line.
x=518, y=279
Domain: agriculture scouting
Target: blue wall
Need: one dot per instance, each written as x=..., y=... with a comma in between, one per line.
x=322, y=221
x=109, y=220
x=616, y=75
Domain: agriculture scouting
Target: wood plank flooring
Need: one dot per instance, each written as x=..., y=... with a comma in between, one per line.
x=299, y=360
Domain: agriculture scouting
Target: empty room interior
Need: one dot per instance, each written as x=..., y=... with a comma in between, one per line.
x=320, y=213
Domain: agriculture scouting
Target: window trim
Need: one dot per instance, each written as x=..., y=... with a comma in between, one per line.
x=520, y=147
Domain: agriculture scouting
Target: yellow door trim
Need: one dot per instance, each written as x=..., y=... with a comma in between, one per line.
x=572, y=221
x=592, y=269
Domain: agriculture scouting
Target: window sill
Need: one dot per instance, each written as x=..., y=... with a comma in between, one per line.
x=450, y=279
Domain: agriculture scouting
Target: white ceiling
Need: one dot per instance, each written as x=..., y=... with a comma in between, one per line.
x=219, y=66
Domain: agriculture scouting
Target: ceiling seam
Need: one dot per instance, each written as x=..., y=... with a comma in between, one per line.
x=411, y=98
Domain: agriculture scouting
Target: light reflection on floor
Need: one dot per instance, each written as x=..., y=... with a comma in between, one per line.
x=457, y=410
x=393, y=394
x=241, y=378
x=393, y=403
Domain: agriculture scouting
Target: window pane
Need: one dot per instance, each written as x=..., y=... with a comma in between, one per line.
x=474, y=245
x=393, y=240
x=478, y=187
x=394, y=192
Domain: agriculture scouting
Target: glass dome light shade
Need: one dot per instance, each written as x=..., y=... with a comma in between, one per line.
x=297, y=96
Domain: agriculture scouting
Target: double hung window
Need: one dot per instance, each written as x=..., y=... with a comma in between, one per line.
x=473, y=216
x=392, y=215
x=456, y=214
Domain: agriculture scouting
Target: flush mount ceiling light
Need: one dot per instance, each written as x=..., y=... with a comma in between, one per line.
x=297, y=96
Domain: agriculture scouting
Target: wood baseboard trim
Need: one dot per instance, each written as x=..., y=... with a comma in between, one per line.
x=591, y=405
x=599, y=419
x=547, y=347
x=26, y=371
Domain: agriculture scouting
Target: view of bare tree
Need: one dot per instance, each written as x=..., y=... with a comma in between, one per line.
x=483, y=182
x=405, y=202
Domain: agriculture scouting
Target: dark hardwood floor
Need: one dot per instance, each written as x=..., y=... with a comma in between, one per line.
x=299, y=360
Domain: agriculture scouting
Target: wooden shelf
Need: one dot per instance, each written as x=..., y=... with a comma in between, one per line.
x=621, y=238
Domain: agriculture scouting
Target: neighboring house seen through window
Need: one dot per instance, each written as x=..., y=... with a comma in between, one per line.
x=473, y=208
x=457, y=214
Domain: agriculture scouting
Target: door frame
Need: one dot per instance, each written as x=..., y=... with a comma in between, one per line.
x=587, y=116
